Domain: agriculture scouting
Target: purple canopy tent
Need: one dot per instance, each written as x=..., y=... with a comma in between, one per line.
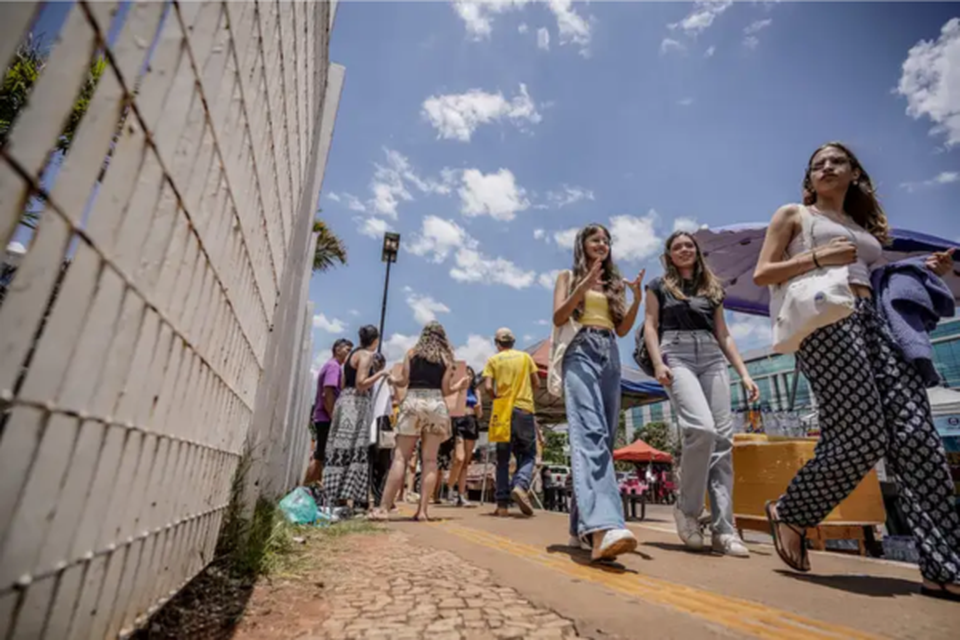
x=732, y=253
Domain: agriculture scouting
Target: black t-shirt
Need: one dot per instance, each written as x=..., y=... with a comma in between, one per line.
x=696, y=313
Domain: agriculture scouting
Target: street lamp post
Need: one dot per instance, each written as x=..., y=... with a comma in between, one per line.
x=391, y=247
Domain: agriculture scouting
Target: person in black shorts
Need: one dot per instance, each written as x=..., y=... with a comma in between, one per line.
x=466, y=429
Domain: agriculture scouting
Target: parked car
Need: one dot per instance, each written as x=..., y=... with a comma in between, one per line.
x=558, y=474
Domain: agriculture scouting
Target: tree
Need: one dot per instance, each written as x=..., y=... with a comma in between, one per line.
x=330, y=249
x=553, y=445
x=657, y=435
x=22, y=73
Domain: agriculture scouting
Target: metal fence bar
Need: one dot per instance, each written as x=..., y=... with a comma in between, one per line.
x=156, y=322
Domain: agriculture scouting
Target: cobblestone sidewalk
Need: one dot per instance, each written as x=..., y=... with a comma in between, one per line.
x=385, y=586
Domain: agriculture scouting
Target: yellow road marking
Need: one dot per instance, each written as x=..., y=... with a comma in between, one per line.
x=750, y=618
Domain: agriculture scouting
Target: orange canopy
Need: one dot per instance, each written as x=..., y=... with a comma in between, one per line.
x=640, y=451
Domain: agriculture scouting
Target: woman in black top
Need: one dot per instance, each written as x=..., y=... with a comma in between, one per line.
x=427, y=373
x=690, y=361
x=347, y=467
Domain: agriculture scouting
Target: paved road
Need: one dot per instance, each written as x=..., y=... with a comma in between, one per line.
x=664, y=591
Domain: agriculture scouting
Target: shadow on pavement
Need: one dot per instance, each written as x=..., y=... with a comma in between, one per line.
x=873, y=586
x=582, y=558
x=675, y=546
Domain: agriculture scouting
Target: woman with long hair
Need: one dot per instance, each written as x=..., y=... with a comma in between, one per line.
x=689, y=344
x=467, y=430
x=594, y=294
x=347, y=468
x=872, y=401
x=427, y=373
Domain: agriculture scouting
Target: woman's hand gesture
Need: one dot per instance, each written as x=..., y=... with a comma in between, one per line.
x=636, y=283
x=941, y=263
x=663, y=375
x=837, y=252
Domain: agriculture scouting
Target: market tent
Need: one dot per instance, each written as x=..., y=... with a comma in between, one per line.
x=636, y=389
x=640, y=451
x=732, y=253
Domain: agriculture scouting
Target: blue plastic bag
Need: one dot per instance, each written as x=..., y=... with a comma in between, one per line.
x=299, y=506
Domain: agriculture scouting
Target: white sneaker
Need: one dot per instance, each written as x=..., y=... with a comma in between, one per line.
x=688, y=528
x=729, y=544
x=576, y=543
x=615, y=542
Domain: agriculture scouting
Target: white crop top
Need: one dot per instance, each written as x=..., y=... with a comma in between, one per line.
x=823, y=229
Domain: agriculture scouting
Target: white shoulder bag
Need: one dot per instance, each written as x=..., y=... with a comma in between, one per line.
x=560, y=340
x=809, y=301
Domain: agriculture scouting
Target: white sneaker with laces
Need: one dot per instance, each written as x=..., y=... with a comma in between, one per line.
x=729, y=544
x=576, y=543
x=688, y=528
x=615, y=542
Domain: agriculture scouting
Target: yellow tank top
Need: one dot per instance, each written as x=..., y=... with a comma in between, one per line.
x=596, y=311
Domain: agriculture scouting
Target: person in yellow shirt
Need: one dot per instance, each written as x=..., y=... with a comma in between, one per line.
x=513, y=374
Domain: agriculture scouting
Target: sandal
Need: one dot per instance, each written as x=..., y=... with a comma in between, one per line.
x=941, y=593
x=803, y=563
x=378, y=515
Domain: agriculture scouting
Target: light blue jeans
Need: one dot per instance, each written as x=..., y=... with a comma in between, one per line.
x=700, y=395
x=591, y=388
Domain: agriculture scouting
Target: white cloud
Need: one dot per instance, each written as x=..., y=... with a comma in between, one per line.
x=543, y=39
x=930, y=81
x=333, y=325
x=572, y=28
x=685, y=102
x=474, y=266
x=543, y=323
x=669, y=45
x=635, y=239
x=709, y=52
x=476, y=351
x=702, y=16
x=751, y=42
x=456, y=116
x=438, y=238
x=548, y=280
x=390, y=184
x=477, y=16
x=494, y=194
x=372, y=227
x=523, y=28
x=686, y=224
x=566, y=238
x=354, y=312
x=527, y=338
x=333, y=196
x=397, y=345
x=425, y=308
x=538, y=234
x=353, y=203
x=569, y=195
x=750, y=332
x=757, y=26
x=944, y=177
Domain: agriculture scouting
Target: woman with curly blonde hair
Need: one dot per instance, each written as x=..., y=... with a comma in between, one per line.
x=427, y=373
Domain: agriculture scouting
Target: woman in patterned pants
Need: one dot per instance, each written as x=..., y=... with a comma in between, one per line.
x=872, y=401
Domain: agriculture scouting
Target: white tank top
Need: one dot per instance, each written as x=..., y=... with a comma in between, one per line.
x=822, y=229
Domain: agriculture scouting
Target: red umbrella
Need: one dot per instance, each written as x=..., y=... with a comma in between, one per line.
x=640, y=451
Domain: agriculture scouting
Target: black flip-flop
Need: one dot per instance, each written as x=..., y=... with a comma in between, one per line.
x=803, y=565
x=941, y=593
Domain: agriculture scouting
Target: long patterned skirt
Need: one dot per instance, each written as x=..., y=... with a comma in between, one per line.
x=346, y=469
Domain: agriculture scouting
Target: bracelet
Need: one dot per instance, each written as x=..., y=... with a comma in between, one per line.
x=815, y=261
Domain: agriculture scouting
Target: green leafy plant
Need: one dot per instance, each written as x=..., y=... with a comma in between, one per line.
x=330, y=249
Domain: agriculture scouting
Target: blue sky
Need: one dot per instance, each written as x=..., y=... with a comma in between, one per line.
x=480, y=139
